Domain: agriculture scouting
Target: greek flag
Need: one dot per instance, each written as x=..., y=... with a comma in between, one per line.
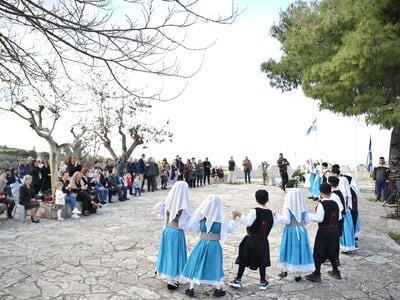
x=369, y=157
x=313, y=127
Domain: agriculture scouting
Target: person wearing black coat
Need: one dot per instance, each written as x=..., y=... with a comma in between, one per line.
x=27, y=197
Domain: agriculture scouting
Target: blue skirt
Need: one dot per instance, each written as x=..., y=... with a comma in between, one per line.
x=295, y=253
x=315, y=186
x=204, y=265
x=347, y=240
x=172, y=255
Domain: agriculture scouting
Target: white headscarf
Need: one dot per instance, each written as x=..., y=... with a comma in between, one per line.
x=176, y=200
x=295, y=203
x=211, y=209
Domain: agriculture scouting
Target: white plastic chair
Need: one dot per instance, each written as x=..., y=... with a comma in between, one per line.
x=21, y=209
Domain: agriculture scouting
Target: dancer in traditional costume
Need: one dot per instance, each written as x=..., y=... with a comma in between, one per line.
x=204, y=265
x=295, y=253
x=172, y=254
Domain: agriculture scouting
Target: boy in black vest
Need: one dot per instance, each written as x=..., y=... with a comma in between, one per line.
x=254, y=248
x=326, y=244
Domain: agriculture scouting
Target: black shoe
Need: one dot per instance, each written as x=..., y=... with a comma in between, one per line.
x=102, y=202
x=314, y=277
x=297, y=278
x=111, y=201
x=282, y=274
x=172, y=286
x=121, y=199
x=9, y=216
x=335, y=275
x=190, y=292
x=35, y=221
x=126, y=199
x=219, y=293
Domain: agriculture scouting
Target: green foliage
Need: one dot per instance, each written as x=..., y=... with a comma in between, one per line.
x=298, y=175
x=264, y=166
x=344, y=53
x=9, y=156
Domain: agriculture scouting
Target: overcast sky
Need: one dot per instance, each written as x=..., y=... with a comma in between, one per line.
x=229, y=109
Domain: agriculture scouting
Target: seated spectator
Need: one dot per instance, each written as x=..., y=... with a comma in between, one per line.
x=70, y=197
x=73, y=165
x=117, y=185
x=100, y=188
x=220, y=173
x=27, y=197
x=4, y=199
x=80, y=187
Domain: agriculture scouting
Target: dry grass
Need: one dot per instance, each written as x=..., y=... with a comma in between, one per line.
x=395, y=237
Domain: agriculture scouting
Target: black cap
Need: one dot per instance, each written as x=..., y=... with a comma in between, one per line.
x=325, y=188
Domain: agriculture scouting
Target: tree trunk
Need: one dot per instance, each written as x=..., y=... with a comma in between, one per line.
x=54, y=159
x=394, y=142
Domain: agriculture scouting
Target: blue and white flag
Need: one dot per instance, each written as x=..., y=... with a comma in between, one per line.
x=369, y=157
x=313, y=127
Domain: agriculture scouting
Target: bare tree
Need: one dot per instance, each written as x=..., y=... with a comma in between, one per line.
x=47, y=45
x=128, y=35
x=120, y=121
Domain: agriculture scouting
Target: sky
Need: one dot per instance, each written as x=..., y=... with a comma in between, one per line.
x=229, y=109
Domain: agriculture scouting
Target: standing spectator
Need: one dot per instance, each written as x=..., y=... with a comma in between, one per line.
x=165, y=168
x=186, y=171
x=109, y=166
x=129, y=182
x=282, y=165
x=150, y=174
x=22, y=168
x=35, y=172
x=157, y=174
x=59, y=199
x=97, y=166
x=174, y=172
x=207, y=171
x=141, y=169
x=27, y=197
x=119, y=164
x=193, y=173
x=46, y=177
x=137, y=185
x=131, y=166
x=247, y=167
x=73, y=165
x=180, y=165
x=200, y=172
x=380, y=176
x=231, y=169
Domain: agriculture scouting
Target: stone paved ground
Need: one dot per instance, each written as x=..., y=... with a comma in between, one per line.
x=111, y=255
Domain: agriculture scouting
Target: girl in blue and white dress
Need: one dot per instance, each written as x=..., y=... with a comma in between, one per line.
x=172, y=255
x=204, y=265
x=295, y=253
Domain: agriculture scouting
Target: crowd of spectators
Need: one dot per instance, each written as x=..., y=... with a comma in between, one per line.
x=96, y=185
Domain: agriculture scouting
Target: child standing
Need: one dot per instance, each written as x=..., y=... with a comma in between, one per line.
x=295, y=253
x=129, y=182
x=204, y=265
x=254, y=248
x=60, y=199
x=326, y=244
x=172, y=252
x=137, y=185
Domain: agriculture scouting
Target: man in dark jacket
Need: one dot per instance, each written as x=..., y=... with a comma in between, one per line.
x=380, y=176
